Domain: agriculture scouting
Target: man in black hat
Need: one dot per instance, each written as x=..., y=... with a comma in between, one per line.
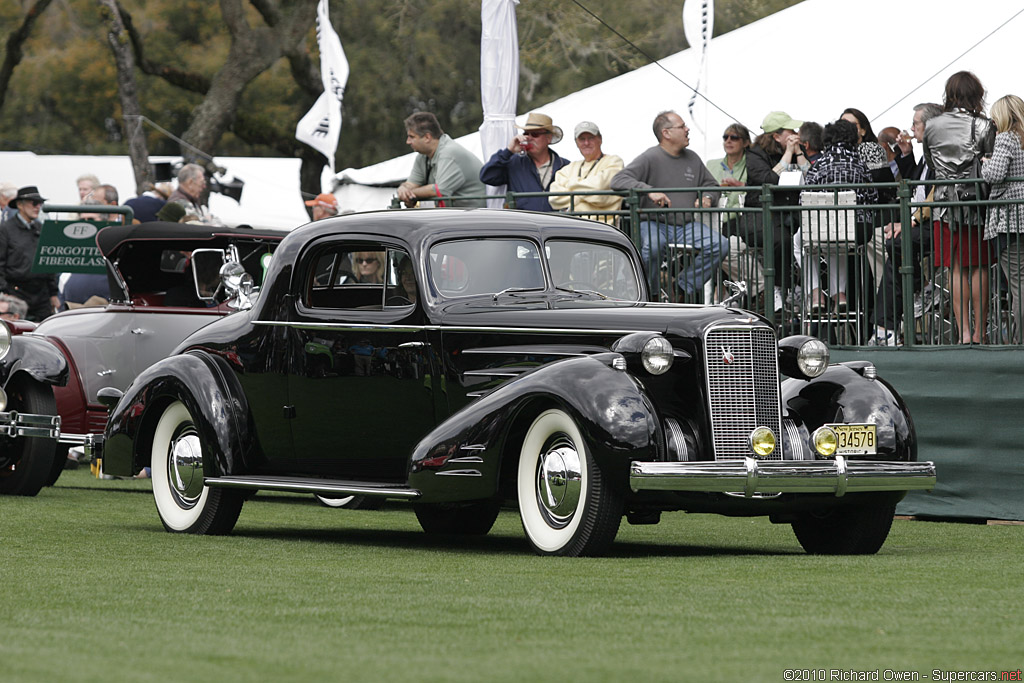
x=19, y=237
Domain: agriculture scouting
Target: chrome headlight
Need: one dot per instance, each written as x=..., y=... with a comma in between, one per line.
x=657, y=355
x=803, y=357
x=5, y=340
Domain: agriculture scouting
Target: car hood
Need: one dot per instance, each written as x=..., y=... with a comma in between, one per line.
x=674, y=319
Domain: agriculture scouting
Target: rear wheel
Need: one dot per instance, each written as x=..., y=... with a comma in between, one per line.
x=351, y=502
x=565, y=504
x=27, y=460
x=855, y=530
x=183, y=502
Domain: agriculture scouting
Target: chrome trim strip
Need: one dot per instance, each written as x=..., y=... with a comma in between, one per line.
x=465, y=459
x=442, y=328
x=840, y=476
x=310, y=486
x=508, y=351
x=498, y=372
x=460, y=473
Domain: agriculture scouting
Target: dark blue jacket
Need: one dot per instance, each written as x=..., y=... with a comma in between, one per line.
x=520, y=174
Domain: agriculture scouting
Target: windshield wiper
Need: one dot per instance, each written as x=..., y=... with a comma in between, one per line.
x=509, y=290
x=572, y=290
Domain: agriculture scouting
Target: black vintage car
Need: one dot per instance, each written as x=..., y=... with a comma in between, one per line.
x=459, y=359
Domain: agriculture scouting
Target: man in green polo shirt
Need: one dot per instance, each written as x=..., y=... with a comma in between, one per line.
x=443, y=167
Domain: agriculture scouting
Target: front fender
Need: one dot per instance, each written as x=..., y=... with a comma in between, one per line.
x=206, y=386
x=843, y=394
x=461, y=459
x=36, y=357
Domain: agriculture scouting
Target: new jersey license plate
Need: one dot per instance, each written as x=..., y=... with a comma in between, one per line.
x=853, y=439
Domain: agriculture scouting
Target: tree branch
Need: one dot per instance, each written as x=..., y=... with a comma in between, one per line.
x=13, y=52
x=186, y=80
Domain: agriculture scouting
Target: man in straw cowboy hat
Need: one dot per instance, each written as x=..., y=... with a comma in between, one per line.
x=19, y=237
x=527, y=164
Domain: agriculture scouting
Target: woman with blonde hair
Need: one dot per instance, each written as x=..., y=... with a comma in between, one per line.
x=1006, y=222
x=369, y=266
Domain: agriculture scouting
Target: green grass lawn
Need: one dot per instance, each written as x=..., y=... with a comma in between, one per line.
x=93, y=588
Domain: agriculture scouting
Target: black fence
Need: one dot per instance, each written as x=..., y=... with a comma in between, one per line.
x=912, y=269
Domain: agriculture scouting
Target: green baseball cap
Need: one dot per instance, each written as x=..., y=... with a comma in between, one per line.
x=779, y=120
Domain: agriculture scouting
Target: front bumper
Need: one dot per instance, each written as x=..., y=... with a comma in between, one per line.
x=14, y=424
x=752, y=477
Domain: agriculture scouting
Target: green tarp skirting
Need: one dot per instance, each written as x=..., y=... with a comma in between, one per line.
x=968, y=408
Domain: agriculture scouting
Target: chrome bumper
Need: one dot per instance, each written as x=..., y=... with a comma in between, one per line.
x=749, y=476
x=13, y=423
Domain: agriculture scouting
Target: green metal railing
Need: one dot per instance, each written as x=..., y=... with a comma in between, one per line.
x=936, y=299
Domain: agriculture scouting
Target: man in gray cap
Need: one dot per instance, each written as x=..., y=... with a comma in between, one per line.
x=593, y=173
x=19, y=237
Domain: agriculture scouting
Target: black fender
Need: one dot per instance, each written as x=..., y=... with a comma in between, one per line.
x=462, y=458
x=210, y=391
x=844, y=394
x=37, y=357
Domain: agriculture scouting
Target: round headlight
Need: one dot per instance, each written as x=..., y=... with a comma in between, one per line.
x=657, y=355
x=762, y=442
x=812, y=358
x=5, y=339
x=825, y=441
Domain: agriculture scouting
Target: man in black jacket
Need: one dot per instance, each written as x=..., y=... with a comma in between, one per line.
x=19, y=237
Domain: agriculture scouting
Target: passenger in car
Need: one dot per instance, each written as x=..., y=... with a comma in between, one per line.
x=369, y=266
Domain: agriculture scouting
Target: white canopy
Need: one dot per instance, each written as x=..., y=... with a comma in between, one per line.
x=876, y=55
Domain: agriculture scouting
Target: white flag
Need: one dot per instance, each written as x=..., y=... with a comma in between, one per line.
x=321, y=126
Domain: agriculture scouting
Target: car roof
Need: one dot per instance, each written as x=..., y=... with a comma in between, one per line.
x=418, y=225
x=114, y=237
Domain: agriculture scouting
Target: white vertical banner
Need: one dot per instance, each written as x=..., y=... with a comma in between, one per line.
x=499, y=79
x=321, y=126
x=698, y=27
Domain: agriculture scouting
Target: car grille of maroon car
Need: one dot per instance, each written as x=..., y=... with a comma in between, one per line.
x=743, y=388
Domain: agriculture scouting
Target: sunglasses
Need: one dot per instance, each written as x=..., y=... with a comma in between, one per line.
x=536, y=133
x=366, y=260
x=734, y=138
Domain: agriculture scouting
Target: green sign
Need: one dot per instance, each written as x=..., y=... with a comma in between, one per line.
x=70, y=247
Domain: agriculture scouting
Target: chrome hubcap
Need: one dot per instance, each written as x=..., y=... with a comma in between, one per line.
x=559, y=481
x=185, y=467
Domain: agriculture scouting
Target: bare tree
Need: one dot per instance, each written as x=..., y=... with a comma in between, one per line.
x=131, y=112
x=13, y=52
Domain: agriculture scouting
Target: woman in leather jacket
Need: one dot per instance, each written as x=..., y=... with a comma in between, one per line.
x=952, y=141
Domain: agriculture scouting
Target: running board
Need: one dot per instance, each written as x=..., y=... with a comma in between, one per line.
x=311, y=485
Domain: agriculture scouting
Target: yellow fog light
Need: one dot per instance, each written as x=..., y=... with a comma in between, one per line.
x=825, y=441
x=762, y=442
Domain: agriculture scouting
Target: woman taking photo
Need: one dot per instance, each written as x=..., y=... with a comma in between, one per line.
x=1006, y=223
x=952, y=141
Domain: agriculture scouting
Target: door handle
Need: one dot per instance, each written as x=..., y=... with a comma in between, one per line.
x=412, y=345
x=138, y=330
x=104, y=373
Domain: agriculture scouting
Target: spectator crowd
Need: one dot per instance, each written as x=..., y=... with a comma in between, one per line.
x=693, y=212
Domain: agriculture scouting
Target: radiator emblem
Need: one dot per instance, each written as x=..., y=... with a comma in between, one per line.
x=727, y=355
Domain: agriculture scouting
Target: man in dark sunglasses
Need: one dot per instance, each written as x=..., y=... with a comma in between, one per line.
x=19, y=237
x=527, y=164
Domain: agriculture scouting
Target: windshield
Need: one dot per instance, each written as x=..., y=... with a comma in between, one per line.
x=492, y=266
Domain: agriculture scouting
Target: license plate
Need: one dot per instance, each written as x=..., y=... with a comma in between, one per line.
x=855, y=439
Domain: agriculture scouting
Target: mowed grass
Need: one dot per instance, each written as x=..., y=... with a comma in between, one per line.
x=93, y=588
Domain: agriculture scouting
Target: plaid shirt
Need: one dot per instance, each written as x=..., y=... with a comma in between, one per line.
x=840, y=164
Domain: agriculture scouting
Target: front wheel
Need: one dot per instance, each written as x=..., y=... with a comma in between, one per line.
x=566, y=506
x=855, y=530
x=27, y=461
x=185, y=505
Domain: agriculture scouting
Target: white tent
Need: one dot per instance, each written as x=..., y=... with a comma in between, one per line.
x=270, y=198
x=811, y=60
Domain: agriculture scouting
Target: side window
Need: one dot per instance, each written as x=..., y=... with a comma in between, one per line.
x=354, y=276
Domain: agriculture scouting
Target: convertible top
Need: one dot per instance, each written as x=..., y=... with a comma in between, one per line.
x=111, y=238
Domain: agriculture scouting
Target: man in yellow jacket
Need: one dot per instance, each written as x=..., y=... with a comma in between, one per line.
x=591, y=174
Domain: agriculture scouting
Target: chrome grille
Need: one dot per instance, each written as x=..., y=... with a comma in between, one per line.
x=743, y=388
